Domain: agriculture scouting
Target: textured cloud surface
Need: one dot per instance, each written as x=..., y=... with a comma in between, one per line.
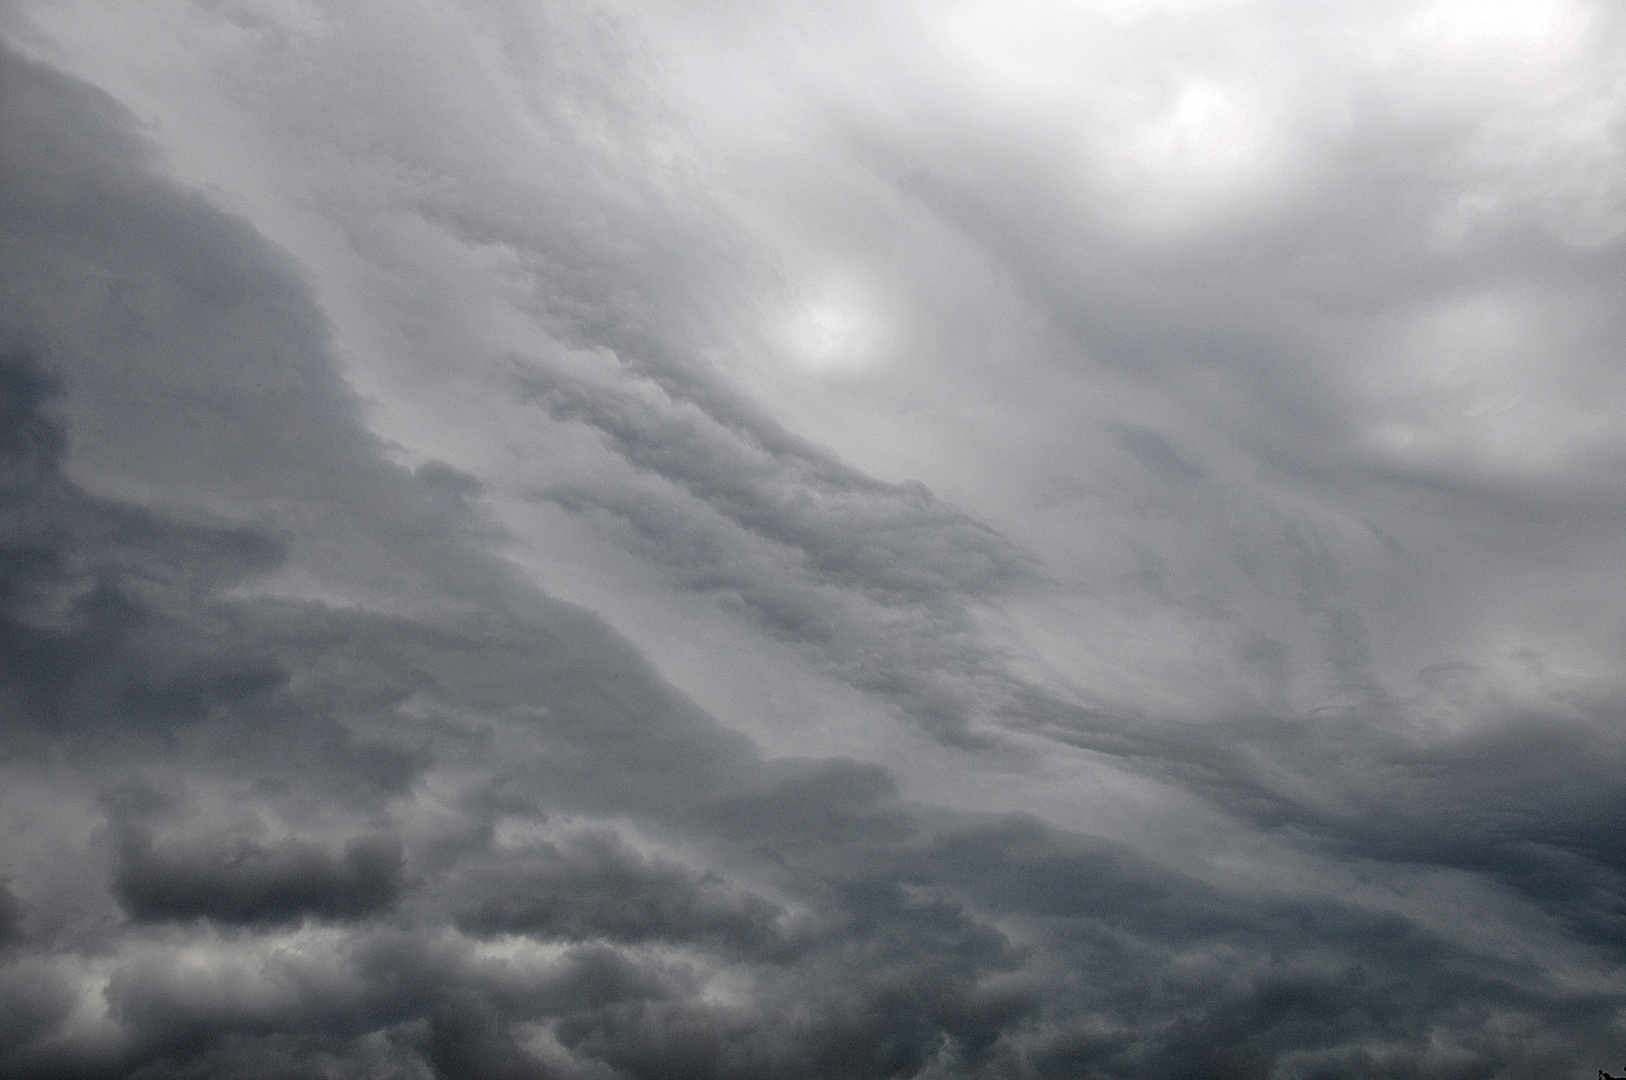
x=626, y=541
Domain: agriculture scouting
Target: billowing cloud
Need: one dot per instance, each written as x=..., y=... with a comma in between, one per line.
x=617, y=541
x=248, y=883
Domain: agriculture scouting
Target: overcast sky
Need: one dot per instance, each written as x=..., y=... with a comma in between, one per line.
x=1000, y=539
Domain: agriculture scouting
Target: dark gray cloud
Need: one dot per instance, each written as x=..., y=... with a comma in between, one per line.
x=247, y=883
x=12, y=911
x=303, y=774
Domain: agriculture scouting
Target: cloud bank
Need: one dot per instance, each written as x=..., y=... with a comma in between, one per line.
x=976, y=541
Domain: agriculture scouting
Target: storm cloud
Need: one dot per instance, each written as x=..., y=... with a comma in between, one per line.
x=251, y=883
x=610, y=541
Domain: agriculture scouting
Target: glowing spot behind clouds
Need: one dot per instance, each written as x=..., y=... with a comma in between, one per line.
x=835, y=331
x=1207, y=139
x=1170, y=141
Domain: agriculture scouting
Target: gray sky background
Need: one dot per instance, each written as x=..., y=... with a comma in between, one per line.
x=1021, y=540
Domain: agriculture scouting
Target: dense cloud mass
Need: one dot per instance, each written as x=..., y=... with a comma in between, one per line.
x=615, y=541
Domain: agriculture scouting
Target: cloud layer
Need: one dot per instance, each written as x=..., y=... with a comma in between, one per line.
x=616, y=542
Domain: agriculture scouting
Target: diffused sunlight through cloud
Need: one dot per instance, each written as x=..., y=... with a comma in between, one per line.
x=835, y=331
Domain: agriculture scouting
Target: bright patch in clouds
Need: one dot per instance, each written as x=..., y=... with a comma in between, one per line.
x=1207, y=140
x=1526, y=33
x=836, y=331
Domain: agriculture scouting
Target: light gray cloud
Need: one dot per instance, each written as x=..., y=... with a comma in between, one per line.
x=877, y=580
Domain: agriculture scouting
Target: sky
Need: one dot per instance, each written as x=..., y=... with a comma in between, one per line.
x=957, y=540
